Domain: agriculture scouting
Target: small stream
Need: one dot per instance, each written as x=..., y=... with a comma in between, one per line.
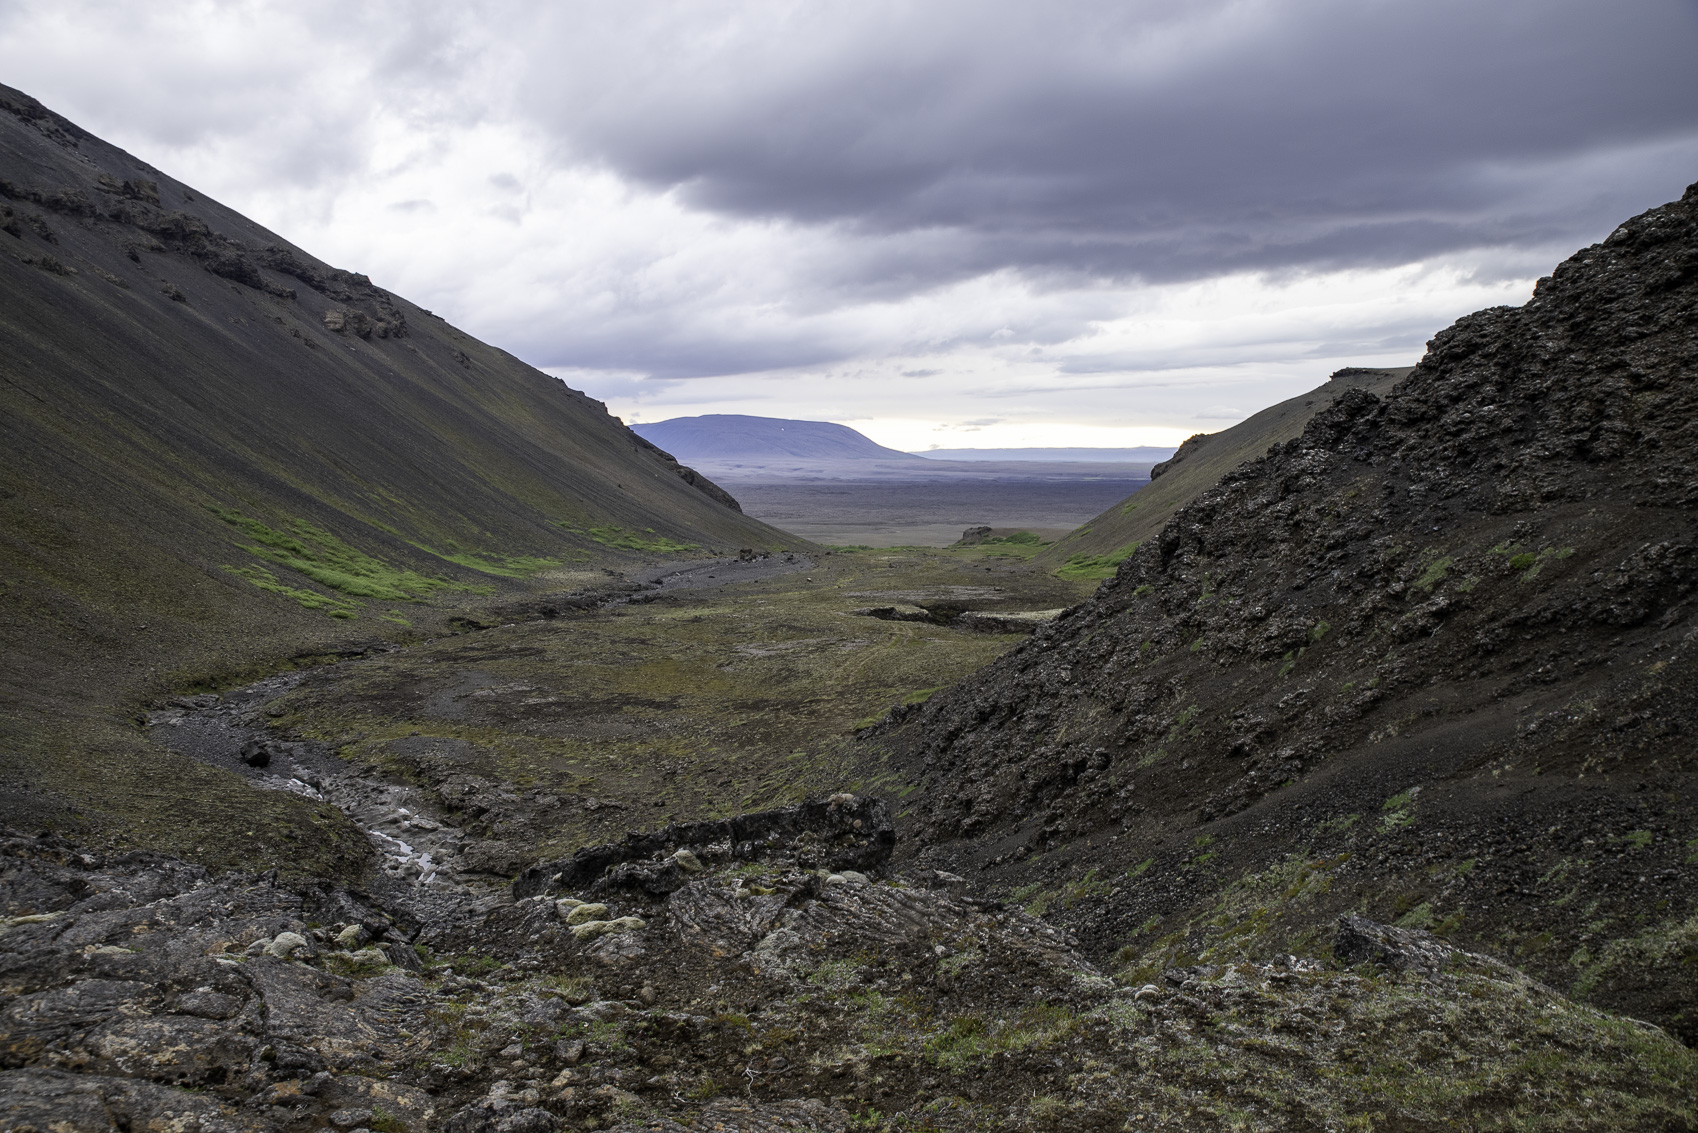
x=418, y=845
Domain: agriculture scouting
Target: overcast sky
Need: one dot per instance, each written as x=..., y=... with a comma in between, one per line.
x=944, y=223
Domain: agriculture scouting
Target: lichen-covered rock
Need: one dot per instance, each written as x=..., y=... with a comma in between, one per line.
x=591, y=929
x=1361, y=941
x=754, y=997
x=578, y=914
x=286, y=945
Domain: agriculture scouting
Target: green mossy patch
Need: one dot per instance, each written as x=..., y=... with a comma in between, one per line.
x=495, y=563
x=311, y=599
x=325, y=559
x=1083, y=567
x=623, y=539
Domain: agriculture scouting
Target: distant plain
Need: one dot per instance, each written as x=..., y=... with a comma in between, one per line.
x=931, y=513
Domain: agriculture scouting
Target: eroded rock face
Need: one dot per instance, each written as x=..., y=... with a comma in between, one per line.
x=1479, y=586
x=758, y=995
x=842, y=832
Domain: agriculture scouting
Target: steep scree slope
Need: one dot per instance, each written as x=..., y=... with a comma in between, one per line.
x=1433, y=658
x=216, y=451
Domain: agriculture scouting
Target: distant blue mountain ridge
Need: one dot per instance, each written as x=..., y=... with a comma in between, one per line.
x=733, y=436
x=717, y=437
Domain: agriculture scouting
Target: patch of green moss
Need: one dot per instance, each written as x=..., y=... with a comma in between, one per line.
x=311, y=599
x=1019, y=545
x=1083, y=566
x=1338, y=825
x=1399, y=810
x=1434, y=574
x=354, y=965
x=383, y=1121
x=322, y=557
x=971, y=1038
x=624, y=539
x=502, y=566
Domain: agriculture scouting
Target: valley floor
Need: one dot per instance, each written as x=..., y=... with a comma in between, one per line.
x=676, y=963
x=726, y=688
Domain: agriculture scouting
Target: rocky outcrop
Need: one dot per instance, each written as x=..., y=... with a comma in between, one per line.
x=143, y=993
x=1362, y=941
x=841, y=832
x=1484, y=578
x=689, y=475
x=1186, y=450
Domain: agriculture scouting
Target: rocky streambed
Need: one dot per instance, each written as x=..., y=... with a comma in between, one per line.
x=417, y=842
x=416, y=845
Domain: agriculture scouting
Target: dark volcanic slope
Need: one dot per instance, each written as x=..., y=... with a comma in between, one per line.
x=1433, y=658
x=1200, y=463
x=216, y=450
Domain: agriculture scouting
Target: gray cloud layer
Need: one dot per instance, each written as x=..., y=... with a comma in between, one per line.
x=944, y=203
x=1162, y=140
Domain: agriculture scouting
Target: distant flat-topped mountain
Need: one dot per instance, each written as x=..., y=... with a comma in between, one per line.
x=740, y=449
x=734, y=436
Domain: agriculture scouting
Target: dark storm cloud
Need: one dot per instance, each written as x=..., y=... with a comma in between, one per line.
x=927, y=190
x=1158, y=140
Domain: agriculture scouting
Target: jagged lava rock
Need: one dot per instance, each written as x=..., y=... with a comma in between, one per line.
x=1477, y=587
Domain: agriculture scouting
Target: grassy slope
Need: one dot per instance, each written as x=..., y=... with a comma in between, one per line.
x=1095, y=549
x=428, y=471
